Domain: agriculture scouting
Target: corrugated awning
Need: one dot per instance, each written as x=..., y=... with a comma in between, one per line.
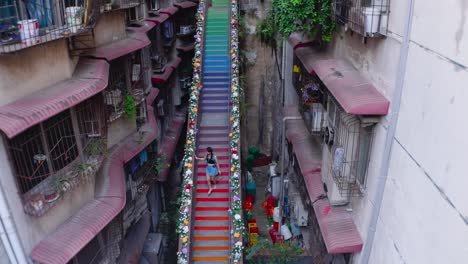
x=68, y=239
x=169, y=10
x=298, y=40
x=90, y=77
x=170, y=67
x=355, y=93
x=157, y=19
x=144, y=26
x=116, y=49
x=185, y=4
x=336, y=225
x=169, y=143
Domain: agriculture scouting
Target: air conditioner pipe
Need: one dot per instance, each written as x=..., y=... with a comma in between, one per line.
x=396, y=101
x=283, y=153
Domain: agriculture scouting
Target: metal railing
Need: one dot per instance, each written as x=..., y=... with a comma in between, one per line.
x=25, y=24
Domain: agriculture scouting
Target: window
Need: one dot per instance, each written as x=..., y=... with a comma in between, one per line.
x=119, y=81
x=349, y=141
x=366, y=17
x=52, y=146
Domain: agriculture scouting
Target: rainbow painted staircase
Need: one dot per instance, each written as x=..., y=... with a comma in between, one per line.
x=210, y=237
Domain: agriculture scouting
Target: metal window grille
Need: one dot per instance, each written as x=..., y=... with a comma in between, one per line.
x=104, y=247
x=119, y=81
x=366, y=17
x=49, y=150
x=124, y=4
x=349, y=141
x=27, y=23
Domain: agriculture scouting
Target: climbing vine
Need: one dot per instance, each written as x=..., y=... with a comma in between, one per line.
x=313, y=17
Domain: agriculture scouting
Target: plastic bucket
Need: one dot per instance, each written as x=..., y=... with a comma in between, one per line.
x=285, y=232
x=74, y=18
x=29, y=31
x=276, y=214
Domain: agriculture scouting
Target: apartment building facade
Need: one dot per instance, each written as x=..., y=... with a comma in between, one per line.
x=375, y=159
x=93, y=103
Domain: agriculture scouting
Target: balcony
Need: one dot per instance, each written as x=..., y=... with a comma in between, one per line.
x=25, y=24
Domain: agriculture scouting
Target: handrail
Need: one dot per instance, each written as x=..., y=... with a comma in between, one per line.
x=185, y=212
x=237, y=223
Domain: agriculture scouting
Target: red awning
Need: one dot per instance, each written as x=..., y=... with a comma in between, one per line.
x=169, y=143
x=159, y=19
x=337, y=227
x=143, y=26
x=119, y=48
x=170, y=67
x=90, y=77
x=73, y=235
x=298, y=40
x=185, y=4
x=355, y=93
x=169, y=10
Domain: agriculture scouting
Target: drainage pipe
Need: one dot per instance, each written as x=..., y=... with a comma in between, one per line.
x=9, y=235
x=395, y=108
x=283, y=153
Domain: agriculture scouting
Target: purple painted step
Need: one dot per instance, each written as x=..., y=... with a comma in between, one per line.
x=215, y=91
x=215, y=97
x=214, y=127
x=215, y=110
x=215, y=104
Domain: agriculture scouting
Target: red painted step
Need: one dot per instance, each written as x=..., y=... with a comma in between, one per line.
x=211, y=218
x=217, y=182
x=203, y=174
x=211, y=228
x=203, y=208
x=202, y=166
x=212, y=199
x=214, y=191
x=215, y=150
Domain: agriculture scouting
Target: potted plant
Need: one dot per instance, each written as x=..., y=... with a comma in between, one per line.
x=83, y=169
x=129, y=106
x=95, y=147
x=36, y=202
x=74, y=17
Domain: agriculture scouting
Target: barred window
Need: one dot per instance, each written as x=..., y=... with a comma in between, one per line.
x=50, y=147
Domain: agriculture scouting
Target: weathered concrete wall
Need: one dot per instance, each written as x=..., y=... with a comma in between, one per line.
x=111, y=27
x=425, y=198
x=33, y=69
x=261, y=82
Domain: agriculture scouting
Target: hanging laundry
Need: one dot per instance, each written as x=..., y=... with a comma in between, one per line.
x=143, y=157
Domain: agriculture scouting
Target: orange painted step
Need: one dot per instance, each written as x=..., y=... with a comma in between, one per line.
x=211, y=218
x=211, y=228
x=223, y=258
x=211, y=248
x=214, y=191
x=212, y=199
x=217, y=182
x=211, y=208
x=210, y=238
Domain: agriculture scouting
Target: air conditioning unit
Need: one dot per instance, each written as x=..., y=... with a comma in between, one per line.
x=160, y=107
x=317, y=116
x=335, y=196
x=153, y=250
x=299, y=212
x=154, y=4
